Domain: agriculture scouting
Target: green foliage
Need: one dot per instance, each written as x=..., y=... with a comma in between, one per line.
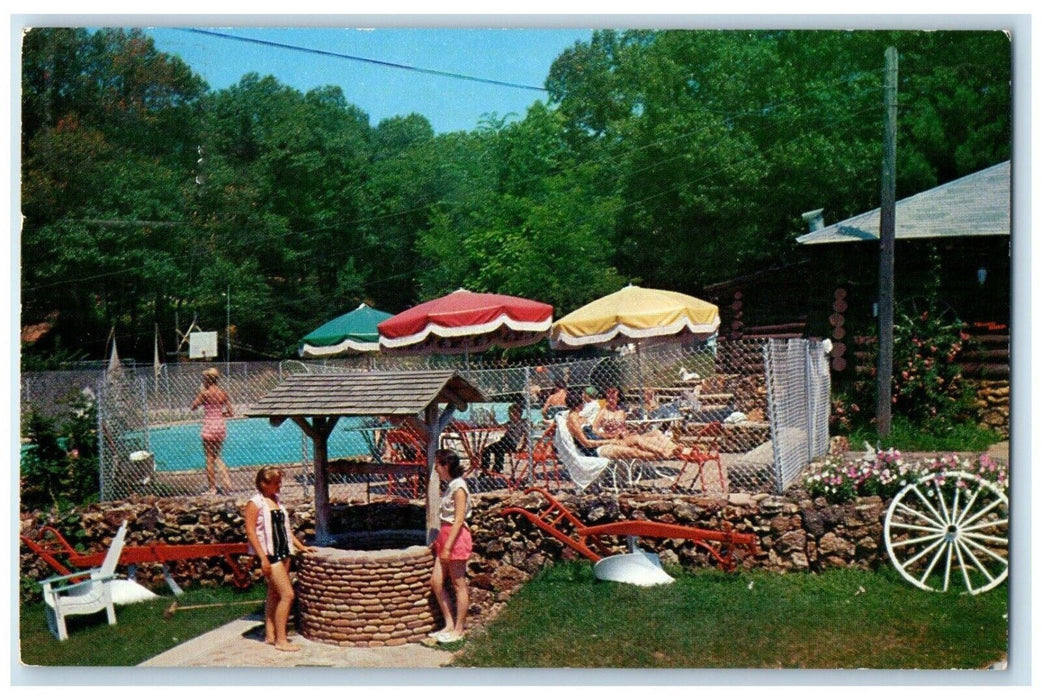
x=539, y=234
x=669, y=158
x=59, y=468
x=903, y=435
x=840, y=619
x=933, y=406
x=55, y=360
x=928, y=386
x=719, y=138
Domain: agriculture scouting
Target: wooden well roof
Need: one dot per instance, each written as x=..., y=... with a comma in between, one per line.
x=364, y=394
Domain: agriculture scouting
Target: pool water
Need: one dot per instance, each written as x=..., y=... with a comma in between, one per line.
x=250, y=441
x=254, y=441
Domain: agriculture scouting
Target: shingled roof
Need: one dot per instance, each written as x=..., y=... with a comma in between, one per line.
x=975, y=205
x=364, y=394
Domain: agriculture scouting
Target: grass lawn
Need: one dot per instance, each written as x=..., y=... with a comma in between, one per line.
x=842, y=619
x=141, y=630
x=565, y=618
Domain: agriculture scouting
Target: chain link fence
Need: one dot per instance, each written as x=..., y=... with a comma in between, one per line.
x=694, y=419
x=799, y=386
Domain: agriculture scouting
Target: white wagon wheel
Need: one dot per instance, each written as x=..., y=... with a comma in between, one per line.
x=956, y=534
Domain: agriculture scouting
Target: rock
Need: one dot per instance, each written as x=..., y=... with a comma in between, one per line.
x=508, y=578
x=795, y=531
x=813, y=522
x=866, y=548
x=792, y=541
x=780, y=524
x=740, y=499
x=831, y=545
x=772, y=505
x=533, y=562
x=482, y=580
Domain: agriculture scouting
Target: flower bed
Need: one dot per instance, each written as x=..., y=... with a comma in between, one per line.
x=840, y=479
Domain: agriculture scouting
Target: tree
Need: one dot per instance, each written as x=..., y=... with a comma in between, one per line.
x=540, y=233
x=279, y=201
x=720, y=139
x=669, y=158
x=107, y=125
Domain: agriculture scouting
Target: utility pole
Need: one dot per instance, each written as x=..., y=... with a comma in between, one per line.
x=887, y=218
x=228, y=332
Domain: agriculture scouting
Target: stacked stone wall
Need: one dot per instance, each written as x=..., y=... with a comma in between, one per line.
x=366, y=598
x=795, y=533
x=993, y=404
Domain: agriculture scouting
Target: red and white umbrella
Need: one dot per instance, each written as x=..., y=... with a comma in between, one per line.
x=466, y=322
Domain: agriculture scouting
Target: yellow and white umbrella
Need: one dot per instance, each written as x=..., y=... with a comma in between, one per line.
x=636, y=315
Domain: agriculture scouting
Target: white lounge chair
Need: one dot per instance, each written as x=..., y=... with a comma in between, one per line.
x=583, y=469
x=83, y=597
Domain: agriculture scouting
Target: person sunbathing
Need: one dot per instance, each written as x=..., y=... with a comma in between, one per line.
x=610, y=423
x=628, y=447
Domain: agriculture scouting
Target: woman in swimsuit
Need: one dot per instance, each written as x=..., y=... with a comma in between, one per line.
x=613, y=448
x=216, y=407
x=610, y=423
x=272, y=540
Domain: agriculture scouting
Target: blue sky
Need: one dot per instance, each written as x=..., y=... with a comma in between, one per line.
x=515, y=55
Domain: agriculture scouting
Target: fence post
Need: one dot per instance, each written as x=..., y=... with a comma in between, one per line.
x=147, y=417
x=773, y=410
x=528, y=418
x=810, y=429
x=99, y=418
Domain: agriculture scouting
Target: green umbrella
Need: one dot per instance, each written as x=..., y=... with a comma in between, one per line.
x=354, y=332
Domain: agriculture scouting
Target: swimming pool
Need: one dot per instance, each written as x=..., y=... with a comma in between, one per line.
x=250, y=441
x=254, y=441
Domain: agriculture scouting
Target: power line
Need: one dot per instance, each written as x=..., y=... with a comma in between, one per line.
x=372, y=61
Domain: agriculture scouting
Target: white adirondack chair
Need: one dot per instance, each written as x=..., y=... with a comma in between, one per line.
x=84, y=597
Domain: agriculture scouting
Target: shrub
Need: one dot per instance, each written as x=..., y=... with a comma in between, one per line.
x=928, y=385
x=60, y=469
x=886, y=472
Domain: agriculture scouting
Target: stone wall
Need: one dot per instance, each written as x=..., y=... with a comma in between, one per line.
x=366, y=598
x=795, y=533
x=993, y=404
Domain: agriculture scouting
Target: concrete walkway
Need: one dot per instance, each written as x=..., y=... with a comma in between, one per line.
x=1000, y=452
x=240, y=644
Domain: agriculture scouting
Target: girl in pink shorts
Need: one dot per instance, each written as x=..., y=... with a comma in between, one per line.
x=453, y=546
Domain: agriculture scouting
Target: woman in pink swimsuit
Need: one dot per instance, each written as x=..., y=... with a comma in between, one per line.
x=216, y=407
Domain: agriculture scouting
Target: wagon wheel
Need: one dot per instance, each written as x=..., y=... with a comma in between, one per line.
x=955, y=533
